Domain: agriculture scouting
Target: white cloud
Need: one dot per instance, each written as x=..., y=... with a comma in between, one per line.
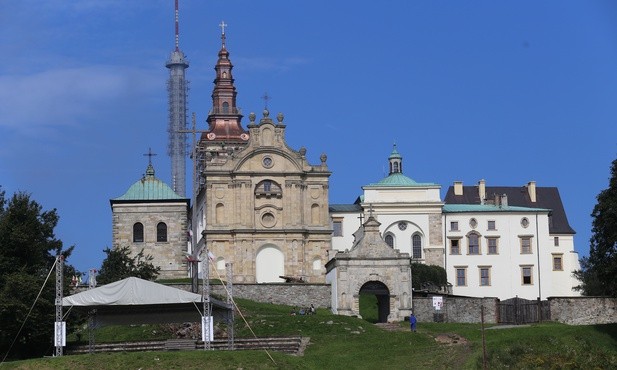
x=62, y=97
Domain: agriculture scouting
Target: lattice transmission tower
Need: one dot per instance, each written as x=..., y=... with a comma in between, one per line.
x=177, y=88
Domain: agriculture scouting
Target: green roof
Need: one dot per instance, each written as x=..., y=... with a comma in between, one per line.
x=149, y=188
x=395, y=153
x=398, y=179
x=462, y=208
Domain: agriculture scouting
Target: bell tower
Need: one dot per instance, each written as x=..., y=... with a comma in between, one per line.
x=224, y=117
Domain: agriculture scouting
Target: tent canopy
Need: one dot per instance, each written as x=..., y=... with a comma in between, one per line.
x=137, y=301
x=131, y=291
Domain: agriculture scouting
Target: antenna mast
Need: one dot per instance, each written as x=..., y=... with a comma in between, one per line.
x=177, y=89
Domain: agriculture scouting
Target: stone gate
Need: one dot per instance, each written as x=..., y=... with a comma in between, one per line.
x=372, y=266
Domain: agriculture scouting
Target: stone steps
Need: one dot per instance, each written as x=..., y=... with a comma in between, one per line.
x=292, y=345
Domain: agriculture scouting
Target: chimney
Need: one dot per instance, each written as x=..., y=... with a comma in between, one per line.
x=531, y=188
x=503, y=202
x=458, y=188
x=482, y=190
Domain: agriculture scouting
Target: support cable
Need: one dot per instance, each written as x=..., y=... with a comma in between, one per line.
x=240, y=312
x=29, y=312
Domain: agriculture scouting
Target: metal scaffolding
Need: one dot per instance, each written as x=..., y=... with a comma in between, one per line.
x=60, y=329
x=177, y=89
x=206, y=321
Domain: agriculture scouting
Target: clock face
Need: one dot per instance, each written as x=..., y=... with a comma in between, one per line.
x=267, y=162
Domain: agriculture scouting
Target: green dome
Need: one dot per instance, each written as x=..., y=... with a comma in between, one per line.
x=149, y=188
x=396, y=179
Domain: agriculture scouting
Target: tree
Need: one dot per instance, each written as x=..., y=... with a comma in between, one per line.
x=28, y=250
x=598, y=271
x=429, y=277
x=119, y=265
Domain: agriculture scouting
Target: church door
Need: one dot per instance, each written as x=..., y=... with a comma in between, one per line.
x=269, y=264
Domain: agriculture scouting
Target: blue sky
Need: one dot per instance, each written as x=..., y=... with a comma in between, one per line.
x=507, y=91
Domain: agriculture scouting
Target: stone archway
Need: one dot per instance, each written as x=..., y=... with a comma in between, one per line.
x=381, y=294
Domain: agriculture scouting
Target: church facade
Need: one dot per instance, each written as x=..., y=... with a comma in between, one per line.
x=261, y=205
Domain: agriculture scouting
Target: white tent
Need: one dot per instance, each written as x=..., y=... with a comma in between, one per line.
x=138, y=301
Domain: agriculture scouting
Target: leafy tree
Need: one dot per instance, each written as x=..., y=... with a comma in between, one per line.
x=598, y=271
x=429, y=277
x=119, y=265
x=28, y=250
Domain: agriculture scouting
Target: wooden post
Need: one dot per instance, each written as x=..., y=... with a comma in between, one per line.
x=484, y=364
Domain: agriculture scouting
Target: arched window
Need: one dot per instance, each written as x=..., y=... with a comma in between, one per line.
x=268, y=189
x=161, y=232
x=225, y=107
x=138, y=232
x=316, y=264
x=416, y=242
x=389, y=240
x=220, y=263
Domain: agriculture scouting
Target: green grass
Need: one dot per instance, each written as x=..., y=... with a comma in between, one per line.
x=339, y=342
x=369, y=309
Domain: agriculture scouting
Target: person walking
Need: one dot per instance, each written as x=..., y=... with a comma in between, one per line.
x=412, y=322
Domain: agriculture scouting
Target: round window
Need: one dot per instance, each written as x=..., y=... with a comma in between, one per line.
x=402, y=226
x=268, y=219
x=524, y=222
x=267, y=162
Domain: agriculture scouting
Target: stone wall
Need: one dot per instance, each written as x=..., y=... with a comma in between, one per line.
x=299, y=295
x=461, y=310
x=583, y=310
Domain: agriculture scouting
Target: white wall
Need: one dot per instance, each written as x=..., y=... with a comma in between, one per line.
x=505, y=267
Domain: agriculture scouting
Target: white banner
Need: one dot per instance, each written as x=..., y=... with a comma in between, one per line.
x=437, y=302
x=207, y=323
x=60, y=334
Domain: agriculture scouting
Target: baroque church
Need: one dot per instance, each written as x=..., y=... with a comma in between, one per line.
x=263, y=207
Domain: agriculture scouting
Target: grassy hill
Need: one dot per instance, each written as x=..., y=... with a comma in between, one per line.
x=339, y=342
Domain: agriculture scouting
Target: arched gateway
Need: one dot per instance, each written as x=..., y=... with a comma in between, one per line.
x=376, y=291
x=371, y=267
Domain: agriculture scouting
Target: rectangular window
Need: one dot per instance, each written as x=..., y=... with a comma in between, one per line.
x=557, y=262
x=526, y=275
x=492, y=245
x=474, y=244
x=525, y=244
x=491, y=225
x=556, y=241
x=337, y=228
x=454, y=246
x=461, y=276
x=453, y=225
x=485, y=276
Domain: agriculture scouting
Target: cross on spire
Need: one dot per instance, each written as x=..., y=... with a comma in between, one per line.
x=266, y=97
x=370, y=210
x=223, y=25
x=149, y=155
